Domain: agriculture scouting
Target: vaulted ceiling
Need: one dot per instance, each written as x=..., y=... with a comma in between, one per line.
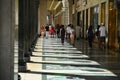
x=53, y=4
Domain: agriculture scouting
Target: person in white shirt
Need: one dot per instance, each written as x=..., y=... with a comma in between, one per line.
x=102, y=31
x=68, y=32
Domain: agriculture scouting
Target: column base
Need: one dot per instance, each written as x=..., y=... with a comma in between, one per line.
x=22, y=67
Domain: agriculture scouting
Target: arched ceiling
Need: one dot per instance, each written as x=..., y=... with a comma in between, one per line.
x=53, y=4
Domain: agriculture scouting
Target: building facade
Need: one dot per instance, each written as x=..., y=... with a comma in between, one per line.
x=95, y=12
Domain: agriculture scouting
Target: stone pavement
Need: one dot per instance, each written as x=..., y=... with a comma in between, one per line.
x=53, y=61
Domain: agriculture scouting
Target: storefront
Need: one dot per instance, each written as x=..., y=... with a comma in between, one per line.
x=112, y=25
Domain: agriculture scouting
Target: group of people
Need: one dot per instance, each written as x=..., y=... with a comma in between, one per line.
x=46, y=31
x=68, y=33
x=62, y=32
x=101, y=34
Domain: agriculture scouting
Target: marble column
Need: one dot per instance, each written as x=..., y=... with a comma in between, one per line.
x=7, y=25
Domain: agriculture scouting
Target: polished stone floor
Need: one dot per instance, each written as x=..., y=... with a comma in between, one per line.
x=53, y=61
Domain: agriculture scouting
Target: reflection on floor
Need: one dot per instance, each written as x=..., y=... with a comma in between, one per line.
x=53, y=61
x=16, y=60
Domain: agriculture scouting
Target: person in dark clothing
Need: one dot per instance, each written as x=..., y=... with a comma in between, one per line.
x=90, y=36
x=58, y=30
x=47, y=31
x=62, y=34
x=98, y=34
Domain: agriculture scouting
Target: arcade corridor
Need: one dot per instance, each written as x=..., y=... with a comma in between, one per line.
x=24, y=53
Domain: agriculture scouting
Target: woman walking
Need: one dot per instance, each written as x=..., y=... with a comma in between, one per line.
x=72, y=35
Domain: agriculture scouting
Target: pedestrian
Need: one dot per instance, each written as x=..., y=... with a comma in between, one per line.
x=97, y=33
x=90, y=35
x=62, y=34
x=103, y=32
x=58, y=30
x=68, y=32
x=47, y=30
x=42, y=30
x=72, y=35
x=51, y=31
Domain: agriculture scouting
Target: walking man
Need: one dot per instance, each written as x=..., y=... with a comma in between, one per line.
x=102, y=30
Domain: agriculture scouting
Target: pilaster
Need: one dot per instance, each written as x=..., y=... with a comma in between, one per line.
x=7, y=25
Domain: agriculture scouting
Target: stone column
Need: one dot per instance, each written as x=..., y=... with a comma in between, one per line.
x=31, y=27
x=7, y=25
x=26, y=27
x=28, y=11
x=39, y=20
x=22, y=63
x=36, y=19
x=70, y=11
x=33, y=23
x=36, y=3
